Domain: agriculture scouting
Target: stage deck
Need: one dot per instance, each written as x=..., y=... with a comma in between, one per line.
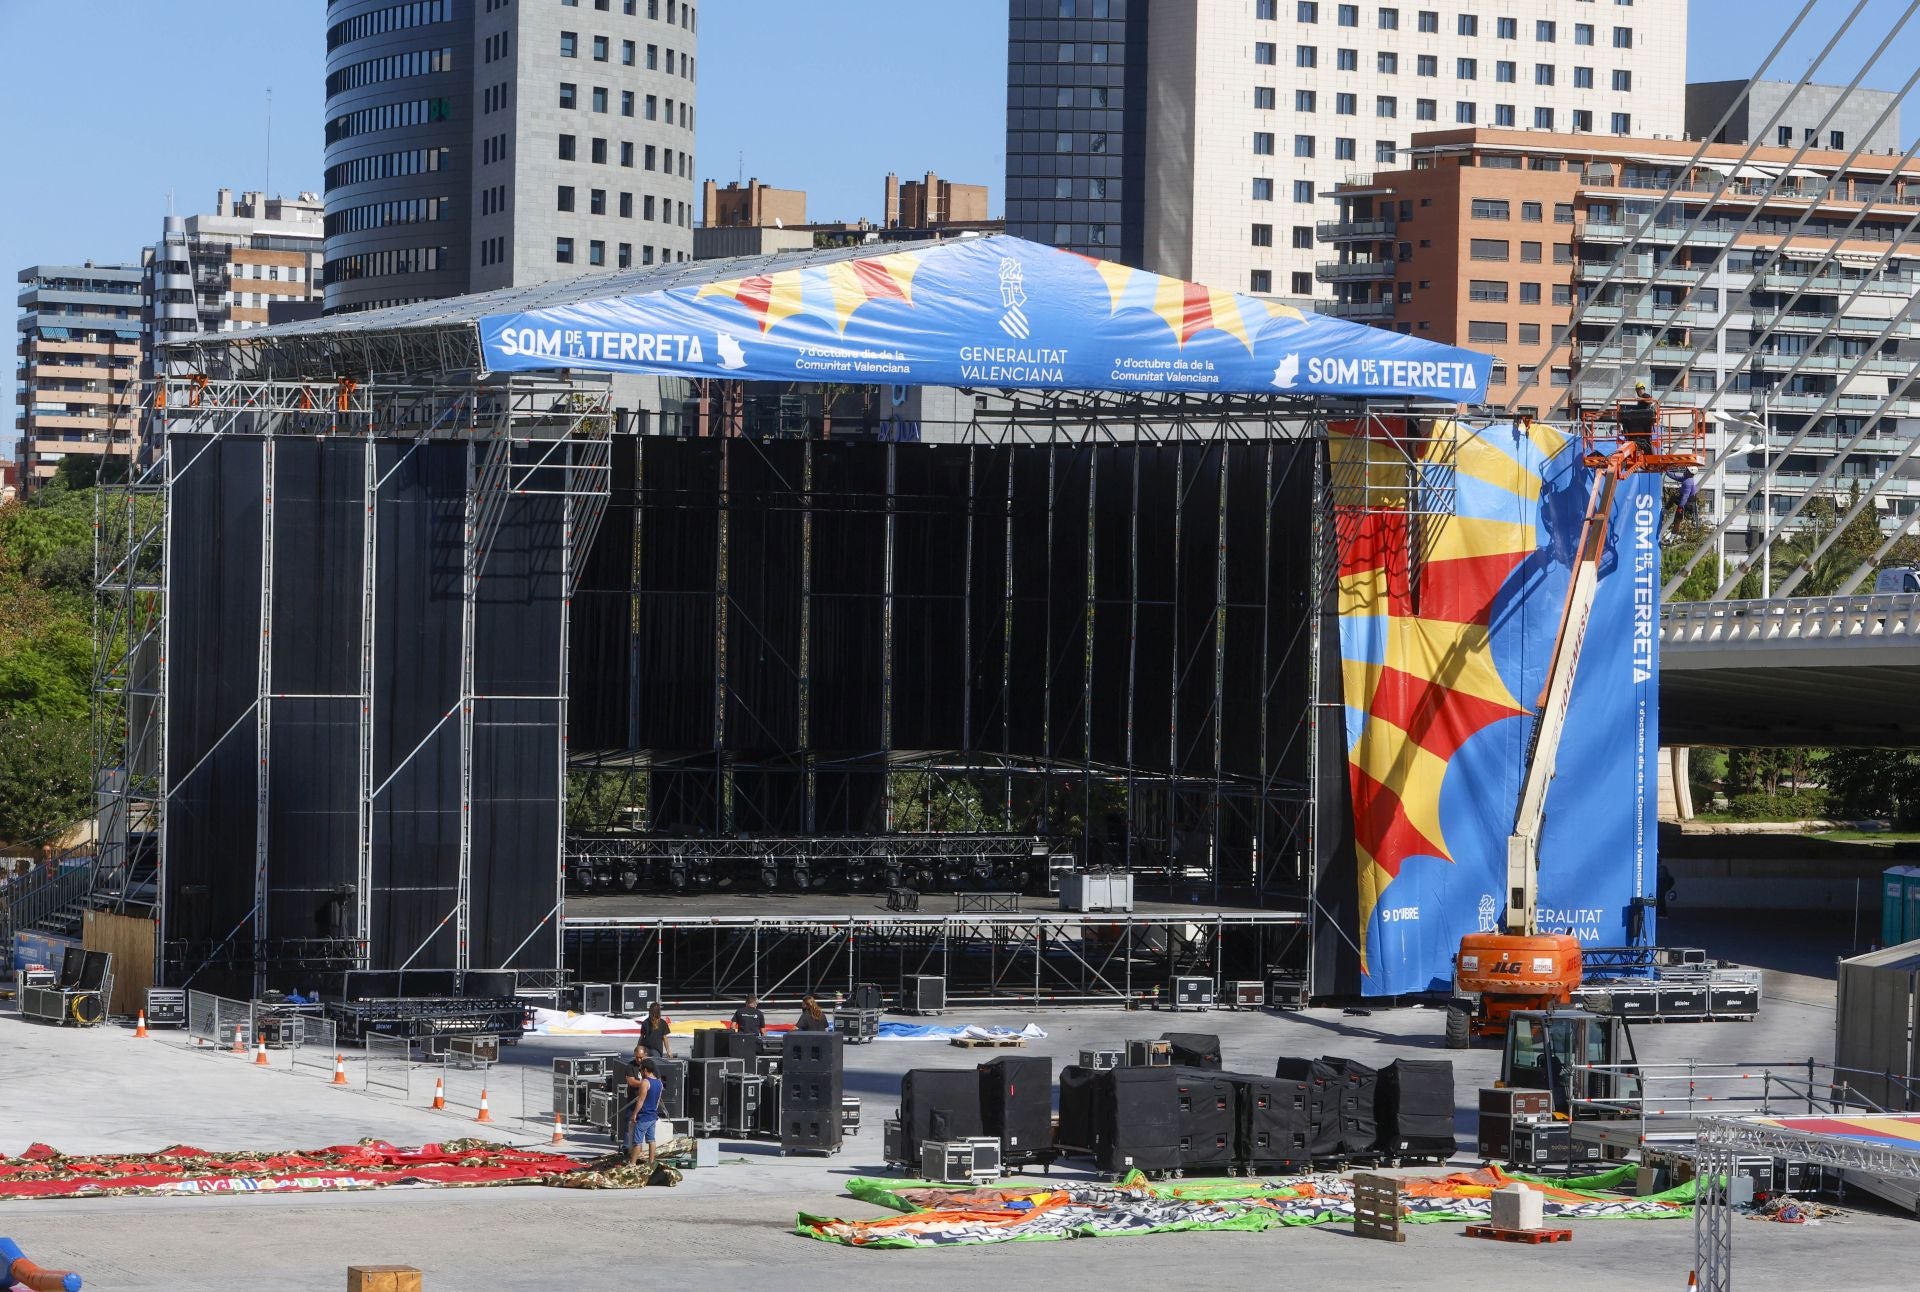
x=602, y=908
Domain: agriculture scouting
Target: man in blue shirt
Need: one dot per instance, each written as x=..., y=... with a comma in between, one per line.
x=646, y=1086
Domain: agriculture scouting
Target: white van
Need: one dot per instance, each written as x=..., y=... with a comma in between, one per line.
x=1899, y=578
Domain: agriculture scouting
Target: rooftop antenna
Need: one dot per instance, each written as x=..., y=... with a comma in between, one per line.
x=740, y=168
x=268, y=186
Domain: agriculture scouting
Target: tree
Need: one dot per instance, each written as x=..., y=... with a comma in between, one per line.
x=1880, y=783
x=46, y=776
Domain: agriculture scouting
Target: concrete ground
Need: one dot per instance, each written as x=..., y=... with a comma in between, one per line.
x=85, y=1091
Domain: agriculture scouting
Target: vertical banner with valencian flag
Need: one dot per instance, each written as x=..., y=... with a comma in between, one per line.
x=1446, y=626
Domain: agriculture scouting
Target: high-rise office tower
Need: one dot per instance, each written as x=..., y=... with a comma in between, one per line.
x=1244, y=114
x=474, y=144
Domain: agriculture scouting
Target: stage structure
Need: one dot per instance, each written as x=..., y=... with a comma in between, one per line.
x=385, y=584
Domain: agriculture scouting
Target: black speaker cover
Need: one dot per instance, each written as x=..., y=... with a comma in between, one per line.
x=1205, y=1101
x=948, y=1096
x=1016, y=1103
x=1273, y=1120
x=1357, y=1085
x=1193, y=1050
x=1415, y=1107
x=813, y=1089
x=1137, y=1120
x=1079, y=1094
x=1317, y=1090
x=490, y=984
x=707, y=1043
x=813, y=1051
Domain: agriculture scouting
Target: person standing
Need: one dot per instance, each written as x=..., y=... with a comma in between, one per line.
x=644, y=1126
x=812, y=1017
x=748, y=1020
x=656, y=1033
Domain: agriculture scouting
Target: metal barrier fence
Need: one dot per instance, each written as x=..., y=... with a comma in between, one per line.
x=315, y=1044
x=464, y=1087
x=390, y=1065
x=233, y=1018
x=200, y=1017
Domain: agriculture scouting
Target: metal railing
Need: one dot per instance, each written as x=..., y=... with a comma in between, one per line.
x=41, y=893
x=1671, y=1096
x=1867, y=617
x=315, y=1045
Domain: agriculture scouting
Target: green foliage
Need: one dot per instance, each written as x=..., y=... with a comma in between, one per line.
x=606, y=798
x=932, y=803
x=1879, y=783
x=46, y=775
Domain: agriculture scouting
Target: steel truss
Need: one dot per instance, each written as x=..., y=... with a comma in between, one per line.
x=537, y=437
x=704, y=962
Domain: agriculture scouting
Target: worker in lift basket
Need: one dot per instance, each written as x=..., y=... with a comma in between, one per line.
x=1638, y=419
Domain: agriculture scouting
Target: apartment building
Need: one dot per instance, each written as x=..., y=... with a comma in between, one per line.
x=932, y=203
x=752, y=205
x=475, y=144
x=1222, y=124
x=79, y=349
x=1774, y=286
x=251, y=261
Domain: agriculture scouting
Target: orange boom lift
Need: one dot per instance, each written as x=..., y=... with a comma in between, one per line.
x=1521, y=967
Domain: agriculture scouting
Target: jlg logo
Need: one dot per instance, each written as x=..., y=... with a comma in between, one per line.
x=1506, y=966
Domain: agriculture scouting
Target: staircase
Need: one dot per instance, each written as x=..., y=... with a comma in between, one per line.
x=47, y=900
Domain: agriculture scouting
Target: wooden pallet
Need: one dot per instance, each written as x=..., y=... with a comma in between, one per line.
x=988, y=1042
x=1520, y=1235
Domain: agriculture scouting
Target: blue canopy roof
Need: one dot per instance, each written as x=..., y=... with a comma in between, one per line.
x=997, y=312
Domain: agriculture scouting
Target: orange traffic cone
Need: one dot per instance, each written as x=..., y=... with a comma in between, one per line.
x=260, y=1051
x=1693, y=1281
x=240, y=1040
x=140, y=1028
x=484, y=1116
x=440, y=1093
x=559, y=1132
x=339, y=1069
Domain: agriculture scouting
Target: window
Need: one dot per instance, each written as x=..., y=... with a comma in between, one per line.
x=626, y=153
x=568, y=93
x=1563, y=213
x=1302, y=284
x=1466, y=69
x=1532, y=212
x=1262, y=143
x=1529, y=253
x=1529, y=293
x=1528, y=334
x=1486, y=332
x=1489, y=208
x=1488, y=249
x=1063, y=142
x=626, y=103
x=1266, y=53
x=599, y=49
x=1263, y=235
x=650, y=153
x=1063, y=97
x=1583, y=78
x=1097, y=188
x=1406, y=294
x=1563, y=253
x=1347, y=60
x=1062, y=187
x=1784, y=136
x=597, y=201
x=1583, y=33
x=1389, y=20
x=1346, y=105
x=626, y=58
x=1561, y=376
x=1307, y=11
x=1265, y=10
x=1544, y=32
x=1387, y=63
x=1497, y=375
x=1260, y=280
x=1303, y=237
x=1506, y=71
x=566, y=147
x=1384, y=150
x=1303, y=190
x=599, y=98
x=1097, y=142
x=1303, y=145
x=1429, y=20
x=1345, y=150
x=1349, y=15
x=1427, y=65
x=626, y=206
x=563, y=250
x=600, y=152
x=626, y=256
x=596, y=252
x=1623, y=38
x=1426, y=109
x=1306, y=56
x=1507, y=28
x=1582, y=121
x=1563, y=293
x=1263, y=190
x=1386, y=106
x=1836, y=139
x=569, y=48
x=1487, y=291
x=1622, y=79
x=1469, y=25
x=1543, y=118
x=1263, y=97
x=1503, y=114
x=653, y=58
x=1543, y=73
x=566, y=198
x=1463, y=113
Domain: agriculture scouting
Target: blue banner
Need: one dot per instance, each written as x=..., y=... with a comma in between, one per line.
x=993, y=312
x=1440, y=692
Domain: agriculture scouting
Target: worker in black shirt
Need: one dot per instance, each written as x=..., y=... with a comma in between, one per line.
x=1639, y=419
x=656, y=1033
x=812, y=1017
x=748, y=1020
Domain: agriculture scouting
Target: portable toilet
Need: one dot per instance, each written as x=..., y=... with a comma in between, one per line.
x=1899, y=905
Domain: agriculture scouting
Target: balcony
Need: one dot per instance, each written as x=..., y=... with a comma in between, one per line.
x=1647, y=312
x=1360, y=310
x=1847, y=326
x=1355, y=230
x=1354, y=271
x=1662, y=234
x=1779, y=282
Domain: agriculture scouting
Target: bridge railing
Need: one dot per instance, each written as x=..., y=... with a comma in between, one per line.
x=1862, y=617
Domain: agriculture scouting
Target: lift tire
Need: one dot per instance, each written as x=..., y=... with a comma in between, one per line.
x=1459, y=1028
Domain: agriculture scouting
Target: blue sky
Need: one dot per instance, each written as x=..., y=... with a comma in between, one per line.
x=109, y=106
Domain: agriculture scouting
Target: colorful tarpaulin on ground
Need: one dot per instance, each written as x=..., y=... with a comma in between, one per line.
x=998, y=312
x=43, y=1172
x=1446, y=625
x=942, y=1216
x=553, y=1022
